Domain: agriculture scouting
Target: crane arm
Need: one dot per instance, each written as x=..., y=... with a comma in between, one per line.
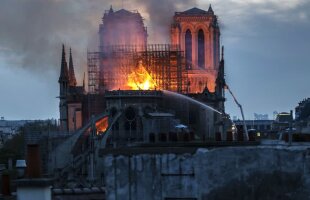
x=241, y=110
x=236, y=101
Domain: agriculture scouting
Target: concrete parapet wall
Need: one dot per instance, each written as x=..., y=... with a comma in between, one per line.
x=220, y=173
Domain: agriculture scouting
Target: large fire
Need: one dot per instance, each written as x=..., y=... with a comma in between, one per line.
x=102, y=125
x=140, y=79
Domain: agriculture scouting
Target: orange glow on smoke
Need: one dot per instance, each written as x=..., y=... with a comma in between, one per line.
x=102, y=125
x=140, y=79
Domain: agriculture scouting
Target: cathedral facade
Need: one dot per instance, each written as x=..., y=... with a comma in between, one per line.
x=190, y=64
x=139, y=94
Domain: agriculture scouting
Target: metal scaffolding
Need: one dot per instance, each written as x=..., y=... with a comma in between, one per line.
x=109, y=68
x=93, y=72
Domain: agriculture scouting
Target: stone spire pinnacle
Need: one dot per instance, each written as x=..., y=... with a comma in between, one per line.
x=84, y=82
x=210, y=10
x=111, y=10
x=72, y=79
x=64, y=68
x=221, y=74
x=222, y=58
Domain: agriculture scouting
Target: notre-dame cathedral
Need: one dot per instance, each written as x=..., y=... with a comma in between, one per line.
x=138, y=94
x=190, y=64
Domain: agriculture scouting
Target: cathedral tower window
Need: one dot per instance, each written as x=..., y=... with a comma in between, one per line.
x=201, y=49
x=188, y=49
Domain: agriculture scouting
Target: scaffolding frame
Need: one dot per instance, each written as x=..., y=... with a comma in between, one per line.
x=93, y=69
x=109, y=68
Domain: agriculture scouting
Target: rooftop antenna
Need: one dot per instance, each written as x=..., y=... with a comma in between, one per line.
x=122, y=4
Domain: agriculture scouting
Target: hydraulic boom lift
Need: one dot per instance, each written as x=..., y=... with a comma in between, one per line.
x=246, y=135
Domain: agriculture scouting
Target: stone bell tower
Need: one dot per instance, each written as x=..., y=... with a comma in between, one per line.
x=197, y=33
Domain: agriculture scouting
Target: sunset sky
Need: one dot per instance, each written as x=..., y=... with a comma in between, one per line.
x=267, y=49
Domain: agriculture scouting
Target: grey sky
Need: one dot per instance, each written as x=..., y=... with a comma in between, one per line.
x=266, y=43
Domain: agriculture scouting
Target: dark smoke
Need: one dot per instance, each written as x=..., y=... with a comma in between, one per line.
x=161, y=14
x=32, y=31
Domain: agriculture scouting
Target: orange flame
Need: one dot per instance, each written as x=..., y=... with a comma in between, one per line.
x=140, y=79
x=102, y=125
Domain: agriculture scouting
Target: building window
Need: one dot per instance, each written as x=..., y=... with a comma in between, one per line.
x=201, y=49
x=188, y=49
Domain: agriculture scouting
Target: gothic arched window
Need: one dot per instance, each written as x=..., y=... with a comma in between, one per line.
x=188, y=49
x=201, y=49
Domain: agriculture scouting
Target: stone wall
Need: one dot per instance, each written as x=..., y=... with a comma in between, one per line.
x=260, y=172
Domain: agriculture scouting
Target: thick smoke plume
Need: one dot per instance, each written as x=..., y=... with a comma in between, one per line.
x=32, y=31
x=160, y=14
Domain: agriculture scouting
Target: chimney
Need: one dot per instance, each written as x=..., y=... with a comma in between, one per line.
x=33, y=161
x=6, y=184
